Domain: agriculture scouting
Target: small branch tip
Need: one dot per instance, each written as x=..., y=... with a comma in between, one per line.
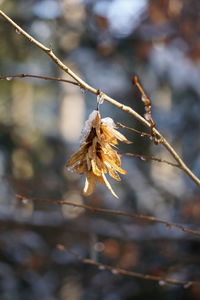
x=135, y=80
x=60, y=247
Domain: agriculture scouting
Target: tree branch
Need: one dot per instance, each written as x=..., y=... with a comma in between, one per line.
x=118, y=271
x=8, y=77
x=135, y=130
x=113, y=212
x=146, y=157
x=86, y=86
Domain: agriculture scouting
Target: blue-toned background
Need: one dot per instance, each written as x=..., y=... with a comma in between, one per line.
x=106, y=43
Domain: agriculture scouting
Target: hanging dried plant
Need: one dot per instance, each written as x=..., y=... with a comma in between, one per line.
x=97, y=155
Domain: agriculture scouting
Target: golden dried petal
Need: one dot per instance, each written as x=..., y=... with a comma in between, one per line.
x=81, y=167
x=77, y=156
x=107, y=149
x=101, y=165
x=100, y=179
x=120, y=136
x=97, y=125
x=116, y=159
x=95, y=169
x=108, y=185
x=112, y=163
x=107, y=135
x=90, y=183
x=113, y=173
x=88, y=161
x=93, y=148
x=97, y=120
x=113, y=155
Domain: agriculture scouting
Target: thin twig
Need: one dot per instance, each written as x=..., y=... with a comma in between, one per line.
x=146, y=157
x=38, y=76
x=119, y=271
x=147, y=106
x=135, y=130
x=86, y=86
x=113, y=212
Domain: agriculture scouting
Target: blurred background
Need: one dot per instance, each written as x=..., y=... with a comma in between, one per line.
x=106, y=43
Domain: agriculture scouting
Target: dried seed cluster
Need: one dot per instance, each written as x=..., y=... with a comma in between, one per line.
x=97, y=155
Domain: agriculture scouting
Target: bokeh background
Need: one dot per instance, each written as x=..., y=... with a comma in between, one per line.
x=106, y=43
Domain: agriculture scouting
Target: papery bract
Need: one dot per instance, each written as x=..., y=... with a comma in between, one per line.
x=97, y=155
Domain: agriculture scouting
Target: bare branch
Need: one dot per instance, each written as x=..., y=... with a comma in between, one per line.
x=146, y=157
x=8, y=77
x=147, y=106
x=86, y=86
x=113, y=212
x=118, y=271
x=135, y=130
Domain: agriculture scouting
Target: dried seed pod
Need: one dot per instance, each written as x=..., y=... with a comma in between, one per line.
x=96, y=155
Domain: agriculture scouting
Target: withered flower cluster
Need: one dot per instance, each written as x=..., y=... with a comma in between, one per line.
x=97, y=155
